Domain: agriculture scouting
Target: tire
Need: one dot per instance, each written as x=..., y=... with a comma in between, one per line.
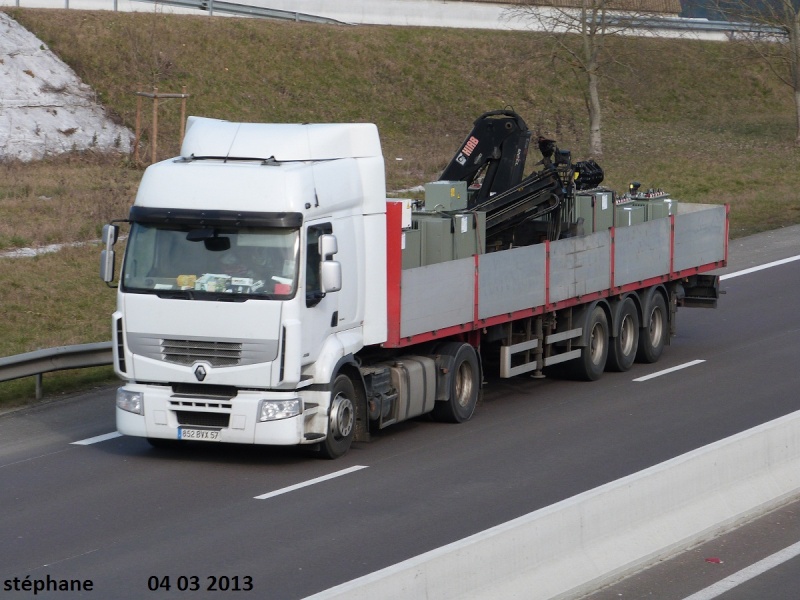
x=592, y=362
x=463, y=387
x=622, y=348
x=654, y=331
x=341, y=419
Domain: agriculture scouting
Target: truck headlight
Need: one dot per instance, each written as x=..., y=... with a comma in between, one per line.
x=130, y=401
x=272, y=410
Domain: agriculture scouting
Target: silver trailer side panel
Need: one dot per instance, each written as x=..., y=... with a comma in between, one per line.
x=700, y=235
x=437, y=296
x=641, y=252
x=511, y=280
x=580, y=266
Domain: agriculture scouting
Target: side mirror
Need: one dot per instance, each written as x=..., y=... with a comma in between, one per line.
x=328, y=246
x=107, y=256
x=330, y=276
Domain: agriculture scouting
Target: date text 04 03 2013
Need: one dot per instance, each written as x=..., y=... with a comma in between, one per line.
x=193, y=583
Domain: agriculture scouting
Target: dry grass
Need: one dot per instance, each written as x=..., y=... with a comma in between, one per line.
x=701, y=120
x=62, y=199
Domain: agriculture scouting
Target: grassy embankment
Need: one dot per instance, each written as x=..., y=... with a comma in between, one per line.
x=701, y=120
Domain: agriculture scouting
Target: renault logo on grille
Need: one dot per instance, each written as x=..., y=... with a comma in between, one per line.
x=200, y=373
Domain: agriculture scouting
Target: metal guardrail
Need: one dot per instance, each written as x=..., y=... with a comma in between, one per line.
x=655, y=22
x=246, y=11
x=694, y=25
x=61, y=358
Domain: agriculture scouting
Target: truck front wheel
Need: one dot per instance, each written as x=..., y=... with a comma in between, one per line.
x=341, y=419
x=463, y=387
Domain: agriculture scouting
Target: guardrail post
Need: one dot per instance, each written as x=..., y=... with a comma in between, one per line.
x=36, y=363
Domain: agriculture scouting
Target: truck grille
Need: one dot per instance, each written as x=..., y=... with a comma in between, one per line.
x=187, y=352
x=202, y=419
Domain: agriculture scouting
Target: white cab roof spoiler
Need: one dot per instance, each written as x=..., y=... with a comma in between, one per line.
x=207, y=138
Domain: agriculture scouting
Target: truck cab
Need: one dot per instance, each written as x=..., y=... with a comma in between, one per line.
x=244, y=282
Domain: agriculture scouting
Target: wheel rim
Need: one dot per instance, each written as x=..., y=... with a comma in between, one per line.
x=342, y=416
x=626, y=335
x=597, y=345
x=464, y=381
x=656, y=328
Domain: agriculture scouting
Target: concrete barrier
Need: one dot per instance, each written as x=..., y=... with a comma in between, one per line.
x=577, y=545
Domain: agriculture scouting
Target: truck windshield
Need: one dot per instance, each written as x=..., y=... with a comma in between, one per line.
x=206, y=262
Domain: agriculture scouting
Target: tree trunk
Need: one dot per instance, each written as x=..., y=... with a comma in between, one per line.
x=595, y=120
x=794, y=41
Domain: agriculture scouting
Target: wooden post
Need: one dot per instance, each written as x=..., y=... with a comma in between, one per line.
x=183, y=113
x=153, y=142
x=154, y=133
x=138, y=137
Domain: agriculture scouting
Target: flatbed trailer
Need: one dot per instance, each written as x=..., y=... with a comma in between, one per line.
x=469, y=296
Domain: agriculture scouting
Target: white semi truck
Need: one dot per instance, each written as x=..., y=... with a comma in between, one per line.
x=270, y=293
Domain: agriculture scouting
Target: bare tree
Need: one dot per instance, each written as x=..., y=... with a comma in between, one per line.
x=771, y=28
x=578, y=34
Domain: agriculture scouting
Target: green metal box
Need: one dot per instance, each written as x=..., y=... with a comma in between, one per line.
x=446, y=195
x=629, y=214
x=412, y=248
x=597, y=210
x=437, y=239
x=658, y=208
x=469, y=234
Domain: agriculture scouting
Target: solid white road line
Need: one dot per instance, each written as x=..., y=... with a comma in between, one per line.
x=747, y=573
x=670, y=370
x=297, y=486
x=98, y=438
x=759, y=268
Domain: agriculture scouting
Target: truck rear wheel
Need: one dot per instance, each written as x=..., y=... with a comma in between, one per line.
x=341, y=419
x=463, y=387
x=654, y=331
x=623, y=347
x=592, y=362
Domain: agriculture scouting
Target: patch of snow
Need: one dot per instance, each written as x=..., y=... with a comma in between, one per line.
x=44, y=108
x=49, y=249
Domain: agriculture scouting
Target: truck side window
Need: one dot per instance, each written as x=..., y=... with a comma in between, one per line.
x=313, y=259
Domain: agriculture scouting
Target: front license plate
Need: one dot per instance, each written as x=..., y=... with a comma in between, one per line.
x=203, y=435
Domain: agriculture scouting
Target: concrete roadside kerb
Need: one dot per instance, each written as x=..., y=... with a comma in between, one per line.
x=577, y=545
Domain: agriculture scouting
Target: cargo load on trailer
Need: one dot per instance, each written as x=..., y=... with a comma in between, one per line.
x=270, y=293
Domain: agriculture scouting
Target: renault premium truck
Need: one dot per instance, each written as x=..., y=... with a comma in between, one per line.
x=270, y=293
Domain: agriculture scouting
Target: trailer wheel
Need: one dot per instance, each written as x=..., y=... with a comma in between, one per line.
x=622, y=349
x=341, y=419
x=592, y=362
x=463, y=388
x=654, y=331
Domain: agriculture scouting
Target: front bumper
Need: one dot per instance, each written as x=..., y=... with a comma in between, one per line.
x=236, y=419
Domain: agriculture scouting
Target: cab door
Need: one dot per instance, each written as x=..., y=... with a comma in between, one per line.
x=321, y=314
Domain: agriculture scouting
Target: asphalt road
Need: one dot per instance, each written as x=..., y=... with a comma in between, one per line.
x=132, y=520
